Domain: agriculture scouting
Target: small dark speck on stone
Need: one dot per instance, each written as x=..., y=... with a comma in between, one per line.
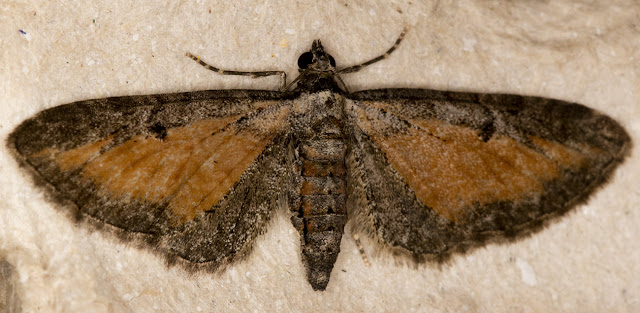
x=22, y=31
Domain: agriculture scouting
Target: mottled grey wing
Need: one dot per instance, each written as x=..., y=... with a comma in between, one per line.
x=435, y=172
x=196, y=173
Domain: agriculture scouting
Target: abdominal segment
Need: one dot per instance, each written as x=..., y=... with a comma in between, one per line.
x=321, y=215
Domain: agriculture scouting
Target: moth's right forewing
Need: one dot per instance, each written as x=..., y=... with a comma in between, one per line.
x=441, y=171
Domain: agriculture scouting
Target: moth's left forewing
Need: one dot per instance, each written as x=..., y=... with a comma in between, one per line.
x=476, y=166
x=176, y=168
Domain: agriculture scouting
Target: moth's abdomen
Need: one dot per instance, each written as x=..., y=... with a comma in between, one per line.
x=321, y=215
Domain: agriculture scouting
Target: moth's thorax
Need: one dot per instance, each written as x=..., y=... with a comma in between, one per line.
x=320, y=214
x=314, y=110
x=315, y=81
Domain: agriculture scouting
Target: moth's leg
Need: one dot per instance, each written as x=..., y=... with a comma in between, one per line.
x=294, y=81
x=363, y=254
x=356, y=68
x=339, y=79
x=283, y=75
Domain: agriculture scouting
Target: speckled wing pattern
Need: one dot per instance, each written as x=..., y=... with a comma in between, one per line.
x=196, y=173
x=436, y=172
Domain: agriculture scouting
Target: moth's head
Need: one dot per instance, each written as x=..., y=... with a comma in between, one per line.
x=316, y=59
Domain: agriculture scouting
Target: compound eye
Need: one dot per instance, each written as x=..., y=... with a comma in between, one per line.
x=332, y=61
x=305, y=60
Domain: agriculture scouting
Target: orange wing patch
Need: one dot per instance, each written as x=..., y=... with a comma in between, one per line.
x=450, y=168
x=191, y=169
x=75, y=158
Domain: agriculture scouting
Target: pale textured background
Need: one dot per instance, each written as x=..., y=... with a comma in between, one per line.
x=582, y=51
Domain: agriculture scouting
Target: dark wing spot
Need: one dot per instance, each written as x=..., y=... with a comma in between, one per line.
x=159, y=130
x=487, y=132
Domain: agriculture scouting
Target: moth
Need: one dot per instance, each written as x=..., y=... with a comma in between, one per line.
x=423, y=173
